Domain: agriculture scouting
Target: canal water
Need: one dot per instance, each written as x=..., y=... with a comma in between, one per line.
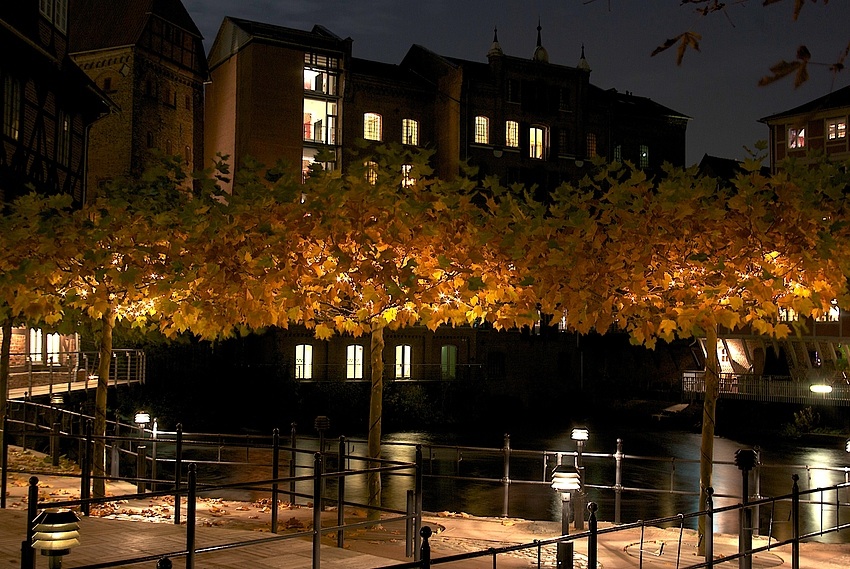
x=663, y=463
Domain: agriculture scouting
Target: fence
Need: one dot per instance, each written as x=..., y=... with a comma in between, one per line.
x=770, y=388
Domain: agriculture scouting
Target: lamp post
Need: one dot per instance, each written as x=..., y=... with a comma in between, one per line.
x=580, y=435
x=142, y=419
x=565, y=480
x=745, y=460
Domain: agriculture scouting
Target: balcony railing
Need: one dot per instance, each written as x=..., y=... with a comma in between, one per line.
x=773, y=388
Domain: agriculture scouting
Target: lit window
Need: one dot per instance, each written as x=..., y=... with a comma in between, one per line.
x=618, y=153
x=354, y=362
x=836, y=129
x=403, y=354
x=63, y=138
x=591, y=144
x=303, y=361
x=448, y=362
x=371, y=172
x=320, y=121
x=643, y=156
x=54, y=346
x=787, y=314
x=372, y=126
x=512, y=134
x=35, y=345
x=12, y=107
x=482, y=130
x=724, y=355
x=537, y=142
x=832, y=315
x=410, y=132
x=407, y=179
x=796, y=138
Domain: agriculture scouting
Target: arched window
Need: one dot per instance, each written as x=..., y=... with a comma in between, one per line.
x=36, y=355
x=537, y=145
x=448, y=361
x=304, y=361
x=354, y=361
x=372, y=126
x=403, y=356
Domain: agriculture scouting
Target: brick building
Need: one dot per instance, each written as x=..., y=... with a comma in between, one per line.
x=279, y=93
x=148, y=56
x=48, y=103
x=819, y=125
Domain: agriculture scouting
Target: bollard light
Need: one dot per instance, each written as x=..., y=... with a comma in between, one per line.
x=847, y=446
x=142, y=418
x=57, y=399
x=580, y=434
x=565, y=480
x=55, y=532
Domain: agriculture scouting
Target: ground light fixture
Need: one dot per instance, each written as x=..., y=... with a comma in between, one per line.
x=55, y=532
x=580, y=435
x=565, y=480
x=142, y=418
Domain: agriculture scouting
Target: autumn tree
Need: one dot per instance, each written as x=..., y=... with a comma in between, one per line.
x=689, y=257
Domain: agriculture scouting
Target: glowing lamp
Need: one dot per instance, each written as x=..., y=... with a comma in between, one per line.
x=55, y=532
x=142, y=418
x=820, y=388
x=580, y=434
x=565, y=480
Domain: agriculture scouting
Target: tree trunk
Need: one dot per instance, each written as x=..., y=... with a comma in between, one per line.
x=376, y=403
x=104, y=365
x=712, y=392
x=5, y=349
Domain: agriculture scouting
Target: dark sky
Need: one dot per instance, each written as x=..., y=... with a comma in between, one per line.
x=717, y=86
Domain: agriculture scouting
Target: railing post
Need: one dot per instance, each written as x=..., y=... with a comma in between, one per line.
x=340, y=510
x=408, y=524
x=618, y=480
x=27, y=552
x=85, y=474
x=506, y=475
x=4, y=461
x=54, y=443
x=709, y=528
x=417, y=491
x=275, y=475
x=191, y=496
x=592, y=538
x=317, y=510
x=178, y=471
x=425, y=550
x=141, y=470
x=293, y=458
x=795, y=523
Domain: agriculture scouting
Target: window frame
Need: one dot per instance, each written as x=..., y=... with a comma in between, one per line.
x=481, y=129
x=304, y=355
x=63, y=138
x=410, y=132
x=511, y=134
x=448, y=361
x=538, y=146
x=373, y=127
x=591, y=145
x=403, y=361
x=354, y=361
x=836, y=129
x=643, y=156
x=796, y=138
x=12, y=107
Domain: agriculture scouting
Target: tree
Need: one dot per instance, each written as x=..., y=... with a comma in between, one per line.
x=114, y=258
x=688, y=257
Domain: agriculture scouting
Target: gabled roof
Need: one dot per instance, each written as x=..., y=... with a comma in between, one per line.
x=836, y=99
x=101, y=24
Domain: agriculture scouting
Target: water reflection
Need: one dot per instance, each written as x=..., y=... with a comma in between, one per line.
x=665, y=462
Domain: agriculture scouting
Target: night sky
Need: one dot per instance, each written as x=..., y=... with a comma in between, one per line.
x=717, y=86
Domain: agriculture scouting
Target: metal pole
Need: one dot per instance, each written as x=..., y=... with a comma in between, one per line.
x=141, y=463
x=564, y=558
x=757, y=490
x=592, y=538
x=417, y=520
x=408, y=525
x=317, y=510
x=178, y=471
x=340, y=510
x=425, y=550
x=506, y=476
x=275, y=475
x=618, y=480
x=293, y=458
x=4, y=461
x=85, y=477
x=709, y=528
x=54, y=443
x=579, y=507
x=190, y=516
x=795, y=523
x=745, y=543
x=27, y=553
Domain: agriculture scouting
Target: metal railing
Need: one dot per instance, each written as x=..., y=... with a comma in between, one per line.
x=771, y=388
x=70, y=371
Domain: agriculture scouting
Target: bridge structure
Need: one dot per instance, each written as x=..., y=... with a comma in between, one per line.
x=772, y=389
x=71, y=371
